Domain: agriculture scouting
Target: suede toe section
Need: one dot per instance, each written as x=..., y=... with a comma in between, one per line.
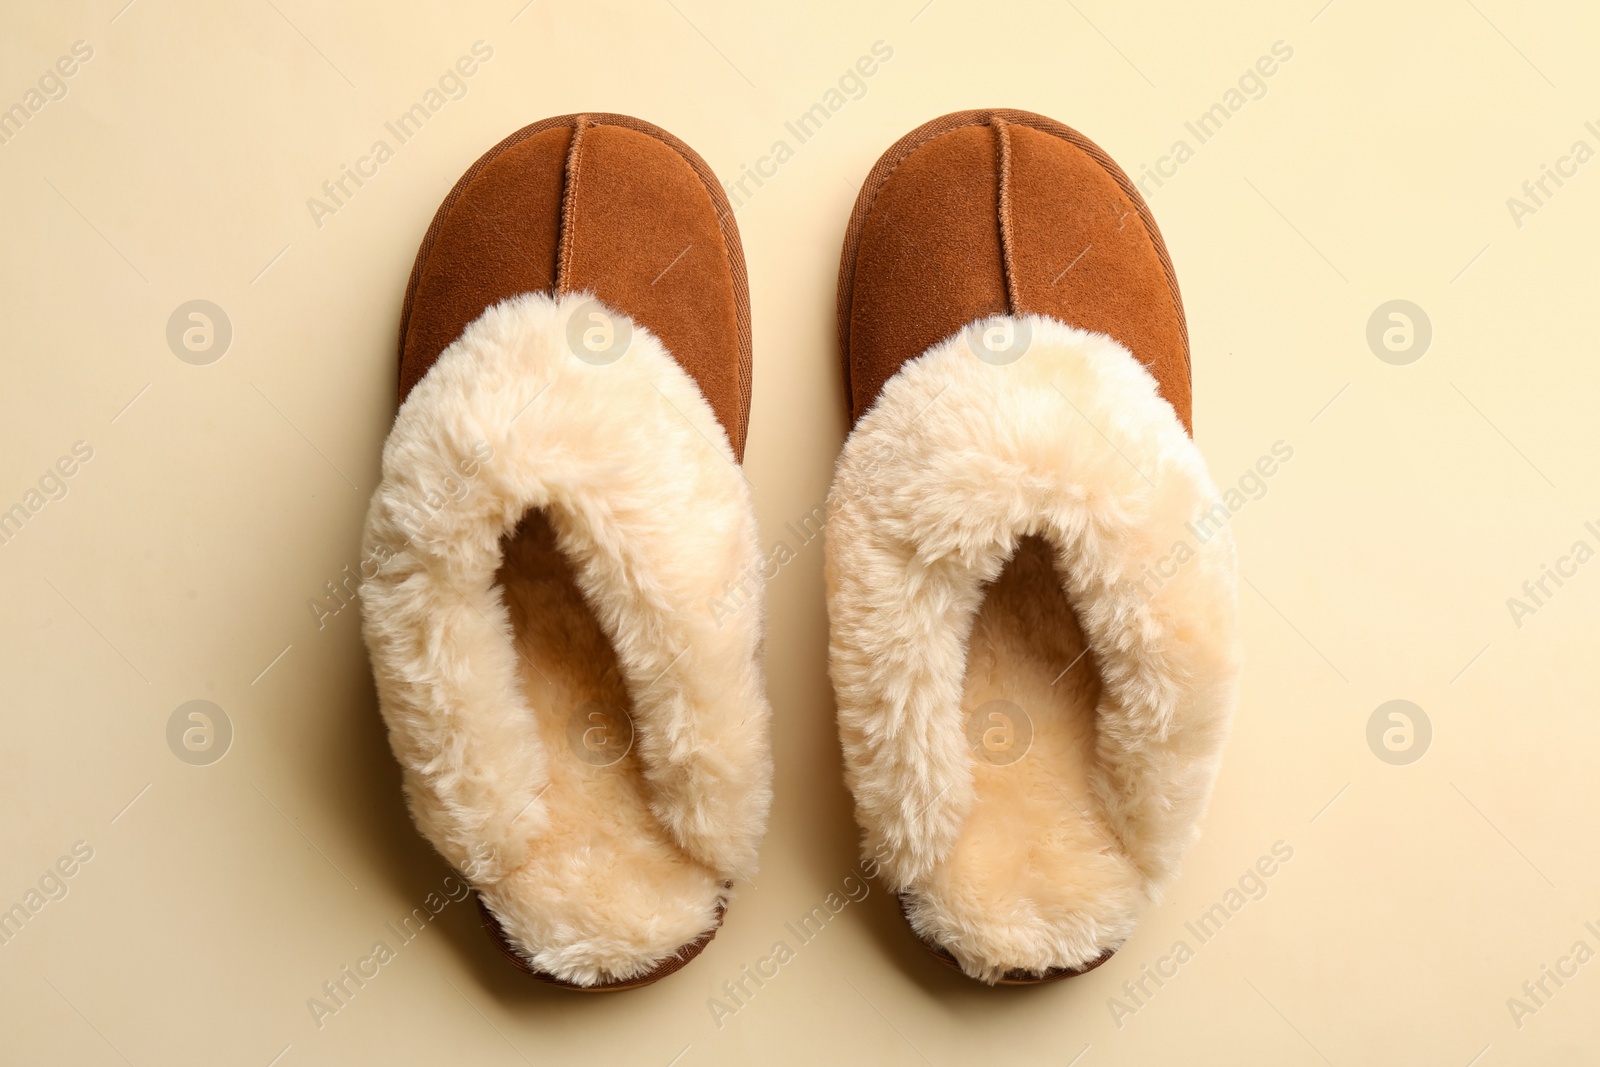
x=495, y=236
x=999, y=211
x=642, y=233
x=1081, y=253
x=598, y=203
x=929, y=257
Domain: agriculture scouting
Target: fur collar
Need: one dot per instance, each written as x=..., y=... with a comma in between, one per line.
x=960, y=458
x=652, y=511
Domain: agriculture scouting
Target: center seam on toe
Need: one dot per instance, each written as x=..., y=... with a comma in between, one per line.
x=1002, y=134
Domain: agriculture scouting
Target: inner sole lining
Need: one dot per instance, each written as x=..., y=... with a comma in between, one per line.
x=605, y=890
x=1037, y=866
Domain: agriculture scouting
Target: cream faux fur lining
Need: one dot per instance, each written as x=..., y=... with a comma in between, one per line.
x=636, y=477
x=957, y=461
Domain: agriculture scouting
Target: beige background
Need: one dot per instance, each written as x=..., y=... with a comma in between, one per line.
x=220, y=498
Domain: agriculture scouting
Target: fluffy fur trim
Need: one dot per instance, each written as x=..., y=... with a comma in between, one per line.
x=955, y=463
x=651, y=510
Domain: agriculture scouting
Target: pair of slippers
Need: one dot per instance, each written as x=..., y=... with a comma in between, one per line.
x=1033, y=653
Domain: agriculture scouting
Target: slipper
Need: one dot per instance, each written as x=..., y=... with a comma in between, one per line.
x=1031, y=608
x=578, y=711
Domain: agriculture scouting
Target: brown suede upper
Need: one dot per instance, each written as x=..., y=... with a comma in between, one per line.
x=495, y=236
x=599, y=203
x=988, y=212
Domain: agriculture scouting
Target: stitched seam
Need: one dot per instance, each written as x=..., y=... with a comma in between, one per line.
x=1002, y=135
x=569, y=199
